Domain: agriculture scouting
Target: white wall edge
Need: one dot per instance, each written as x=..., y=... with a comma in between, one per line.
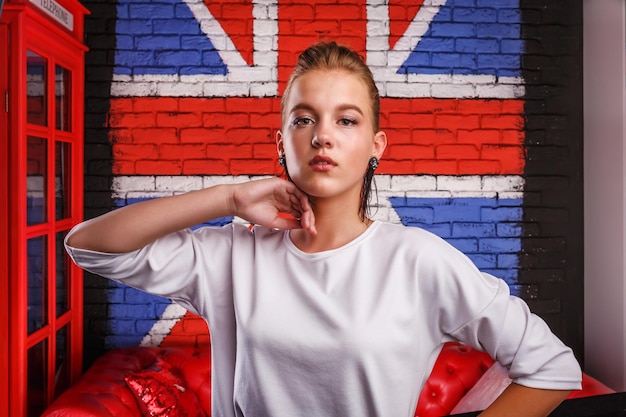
x=604, y=69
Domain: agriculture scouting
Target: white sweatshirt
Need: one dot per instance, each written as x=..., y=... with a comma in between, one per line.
x=352, y=331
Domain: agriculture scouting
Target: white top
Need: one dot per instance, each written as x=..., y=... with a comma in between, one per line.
x=352, y=331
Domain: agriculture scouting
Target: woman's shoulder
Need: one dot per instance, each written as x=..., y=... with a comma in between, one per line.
x=419, y=244
x=408, y=234
x=437, y=263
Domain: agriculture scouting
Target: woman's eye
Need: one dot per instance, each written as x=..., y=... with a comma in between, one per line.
x=347, y=121
x=302, y=121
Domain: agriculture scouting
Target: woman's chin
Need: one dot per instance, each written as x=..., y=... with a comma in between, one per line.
x=324, y=187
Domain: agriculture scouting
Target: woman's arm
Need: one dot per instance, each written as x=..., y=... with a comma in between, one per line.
x=520, y=401
x=134, y=226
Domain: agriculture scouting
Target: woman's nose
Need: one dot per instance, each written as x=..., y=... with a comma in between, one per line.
x=322, y=136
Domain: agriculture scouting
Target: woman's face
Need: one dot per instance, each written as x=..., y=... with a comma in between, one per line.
x=327, y=135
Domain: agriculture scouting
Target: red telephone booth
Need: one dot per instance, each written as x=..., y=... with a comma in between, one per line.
x=41, y=154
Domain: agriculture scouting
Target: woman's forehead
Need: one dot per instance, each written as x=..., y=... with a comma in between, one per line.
x=328, y=88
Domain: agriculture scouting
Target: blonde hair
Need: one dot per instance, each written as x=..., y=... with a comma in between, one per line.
x=332, y=56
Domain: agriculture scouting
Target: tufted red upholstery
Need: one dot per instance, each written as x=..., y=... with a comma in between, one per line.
x=102, y=392
x=456, y=370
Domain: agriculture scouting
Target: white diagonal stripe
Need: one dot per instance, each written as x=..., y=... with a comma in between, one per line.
x=171, y=315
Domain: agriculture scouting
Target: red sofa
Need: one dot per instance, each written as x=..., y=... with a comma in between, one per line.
x=103, y=392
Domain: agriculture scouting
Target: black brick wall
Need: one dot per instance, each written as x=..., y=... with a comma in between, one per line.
x=552, y=257
x=100, y=38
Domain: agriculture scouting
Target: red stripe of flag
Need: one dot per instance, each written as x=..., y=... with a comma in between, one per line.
x=190, y=330
x=235, y=136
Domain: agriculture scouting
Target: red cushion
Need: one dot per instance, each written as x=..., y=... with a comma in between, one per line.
x=103, y=392
x=161, y=391
x=590, y=387
x=195, y=367
x=456, y=370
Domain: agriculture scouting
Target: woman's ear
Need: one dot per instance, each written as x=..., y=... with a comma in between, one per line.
x=280, y=148
x=380, y=143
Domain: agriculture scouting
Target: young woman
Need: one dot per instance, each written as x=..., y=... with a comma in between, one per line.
x=319, y=310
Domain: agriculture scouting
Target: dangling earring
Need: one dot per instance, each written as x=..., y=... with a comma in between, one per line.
x=373, y=163
x=282, y=161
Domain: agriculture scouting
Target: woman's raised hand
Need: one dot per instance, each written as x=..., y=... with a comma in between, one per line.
x=274, y=203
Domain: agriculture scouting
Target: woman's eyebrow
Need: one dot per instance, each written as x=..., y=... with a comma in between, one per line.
x=341, y=107
x=302, y=106
x=354, y=107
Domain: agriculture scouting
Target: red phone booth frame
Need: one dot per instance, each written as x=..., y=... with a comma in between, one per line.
x=50, y=34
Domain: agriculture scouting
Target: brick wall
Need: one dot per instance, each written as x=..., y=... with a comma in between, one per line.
x=551, y=262
x=483, y=117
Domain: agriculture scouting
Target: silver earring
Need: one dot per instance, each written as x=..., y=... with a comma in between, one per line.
x=373, y=163
x=282, y=161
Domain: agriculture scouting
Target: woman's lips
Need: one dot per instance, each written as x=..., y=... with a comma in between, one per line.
x=322, y=164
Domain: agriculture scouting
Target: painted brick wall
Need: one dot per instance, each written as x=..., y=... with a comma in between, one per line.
x=552, y=247
x=478, y=100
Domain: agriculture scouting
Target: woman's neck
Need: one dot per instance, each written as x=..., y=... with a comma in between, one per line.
x=336, y=226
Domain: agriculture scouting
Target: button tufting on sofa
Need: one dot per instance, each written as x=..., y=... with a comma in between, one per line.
x=102, y=391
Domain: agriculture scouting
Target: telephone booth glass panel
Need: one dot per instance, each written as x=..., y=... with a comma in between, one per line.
x=63, y=109
x=37, y=283
x=62, y=369
x=62, y=182
x=36, y=178
x=62, y=276
x=36, y=89
x=37, y=380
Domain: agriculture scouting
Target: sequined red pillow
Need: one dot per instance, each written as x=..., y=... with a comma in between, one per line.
x=161, y=391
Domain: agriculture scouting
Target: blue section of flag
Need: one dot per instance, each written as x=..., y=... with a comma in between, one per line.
x=162, y=38
x=132, y=314
x=470, y=39
x=487, y=230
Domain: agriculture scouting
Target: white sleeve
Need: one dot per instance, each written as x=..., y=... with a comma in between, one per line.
x=522, y=342
x=183, y=266
x=477, y=309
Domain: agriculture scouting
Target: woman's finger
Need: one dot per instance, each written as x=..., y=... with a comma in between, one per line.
x=285, y=221
x=308, y=218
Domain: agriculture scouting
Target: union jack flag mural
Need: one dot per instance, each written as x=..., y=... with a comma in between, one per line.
x=196, y=89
